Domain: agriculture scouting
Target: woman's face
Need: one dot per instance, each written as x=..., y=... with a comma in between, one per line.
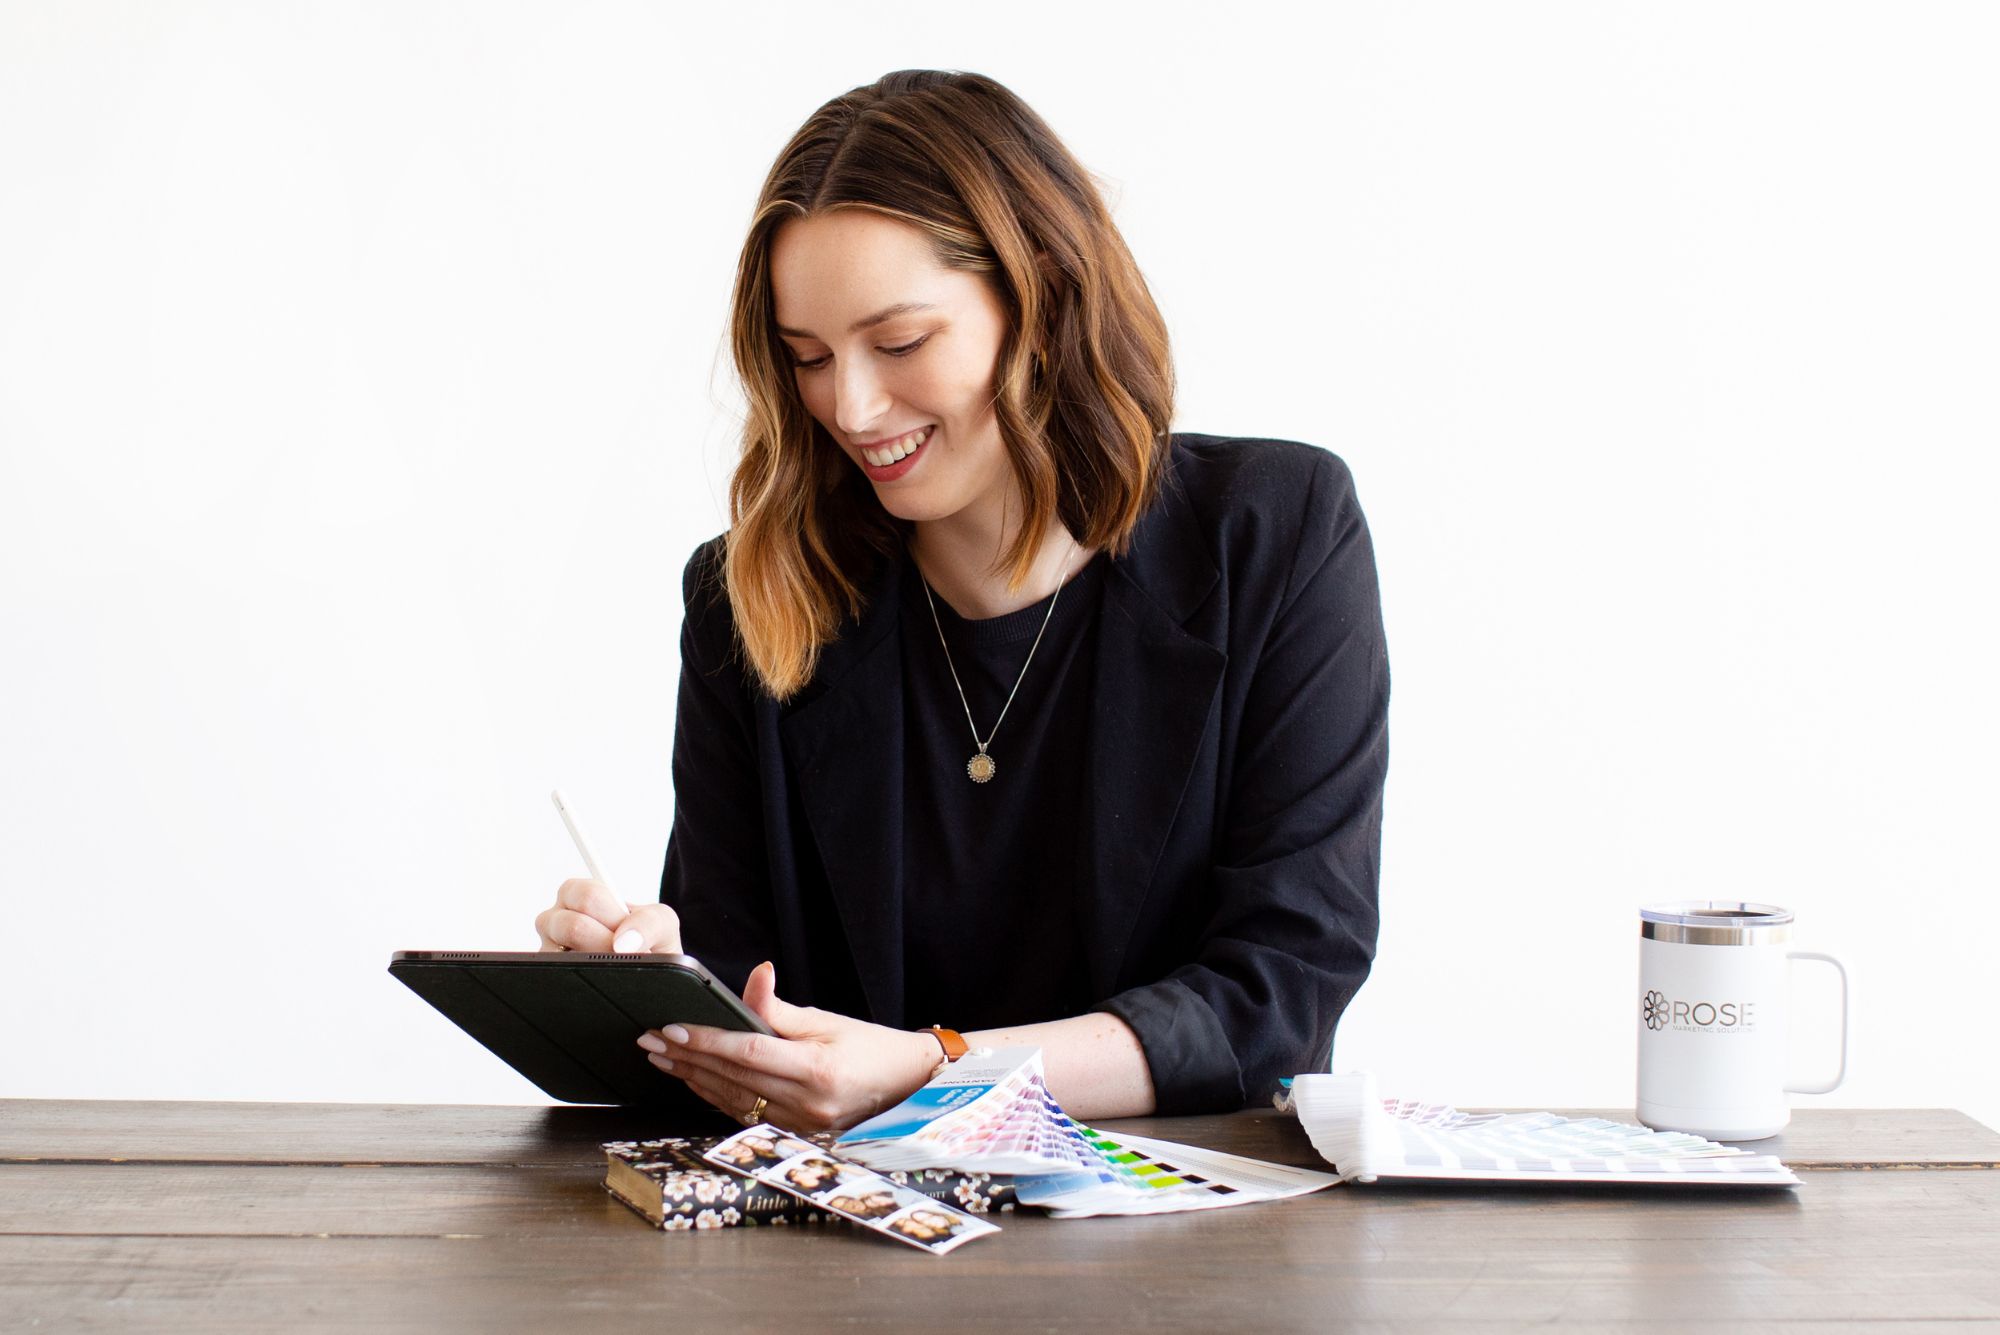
x=908, y=398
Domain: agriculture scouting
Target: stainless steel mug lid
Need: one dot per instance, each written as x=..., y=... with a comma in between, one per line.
x=1716, y=922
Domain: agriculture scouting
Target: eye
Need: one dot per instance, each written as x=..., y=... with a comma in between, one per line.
x=903, y=351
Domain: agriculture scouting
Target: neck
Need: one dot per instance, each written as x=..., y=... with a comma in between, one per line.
x=962, y=556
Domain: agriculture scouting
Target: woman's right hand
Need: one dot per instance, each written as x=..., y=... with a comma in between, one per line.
x=587, y=916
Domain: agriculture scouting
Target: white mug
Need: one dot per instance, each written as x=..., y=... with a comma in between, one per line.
x=1714, y=1031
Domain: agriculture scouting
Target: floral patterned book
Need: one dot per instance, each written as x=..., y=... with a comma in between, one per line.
x=668, y=1182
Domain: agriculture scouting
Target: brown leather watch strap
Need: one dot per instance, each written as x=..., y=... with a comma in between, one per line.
x=953, y=1043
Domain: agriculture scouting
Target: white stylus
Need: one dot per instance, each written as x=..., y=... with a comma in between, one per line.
x=583, y=847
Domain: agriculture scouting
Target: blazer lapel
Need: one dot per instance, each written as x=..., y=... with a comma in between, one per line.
x=1154, y=686
x=844, y=743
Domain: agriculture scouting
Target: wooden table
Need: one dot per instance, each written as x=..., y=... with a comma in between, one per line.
x=253, y=1216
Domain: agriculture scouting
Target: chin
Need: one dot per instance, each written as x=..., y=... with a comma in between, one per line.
x=916, y=504
x=912, y=508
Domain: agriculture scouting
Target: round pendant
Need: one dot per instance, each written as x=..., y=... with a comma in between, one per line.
x=980, y=768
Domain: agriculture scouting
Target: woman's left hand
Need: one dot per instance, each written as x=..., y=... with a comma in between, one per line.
x=822, y=1072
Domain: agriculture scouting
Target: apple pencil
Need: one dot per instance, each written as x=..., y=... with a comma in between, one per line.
x=583, y=847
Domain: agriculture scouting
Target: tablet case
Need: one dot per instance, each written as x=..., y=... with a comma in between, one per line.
x=569, y=1021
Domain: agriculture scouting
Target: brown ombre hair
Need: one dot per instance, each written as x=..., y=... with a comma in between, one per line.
x=1083, y=384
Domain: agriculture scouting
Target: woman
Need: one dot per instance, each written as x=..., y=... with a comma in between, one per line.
x=958, y=507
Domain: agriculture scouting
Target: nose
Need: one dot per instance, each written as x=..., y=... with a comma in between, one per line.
x=858, y=400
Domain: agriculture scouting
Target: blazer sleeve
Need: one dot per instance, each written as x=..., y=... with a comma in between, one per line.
x=1294, y=919
x=717, y=875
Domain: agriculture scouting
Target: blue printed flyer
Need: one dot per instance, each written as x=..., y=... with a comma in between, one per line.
x=962, y=1084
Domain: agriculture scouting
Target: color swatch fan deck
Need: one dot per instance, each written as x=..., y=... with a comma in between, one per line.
x=991, y=1112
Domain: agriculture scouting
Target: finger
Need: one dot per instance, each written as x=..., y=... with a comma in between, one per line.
x=575, y=931
x=594, y=899
x=763, y=1065
x=760, y=994
x=648, y=927
x=731, y=1097
x=688, y=1064
x=737, y=1101
x=756, y=1056
x=779, y=1092
x=760, y=989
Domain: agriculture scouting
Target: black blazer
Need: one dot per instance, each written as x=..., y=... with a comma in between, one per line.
x=1232, y=837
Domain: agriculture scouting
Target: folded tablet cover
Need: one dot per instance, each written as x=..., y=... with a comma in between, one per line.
x=569, y=1022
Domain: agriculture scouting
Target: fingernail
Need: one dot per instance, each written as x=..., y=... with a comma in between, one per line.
x=675, y=1034
x=659, y=1061
x=651, y=1042
x=628, y=941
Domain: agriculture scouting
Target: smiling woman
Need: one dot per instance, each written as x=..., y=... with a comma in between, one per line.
x=958, y=507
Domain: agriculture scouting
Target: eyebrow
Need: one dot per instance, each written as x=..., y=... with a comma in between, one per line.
x=870, y=321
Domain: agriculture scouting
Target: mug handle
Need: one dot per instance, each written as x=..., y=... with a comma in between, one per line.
x=1840, y=1074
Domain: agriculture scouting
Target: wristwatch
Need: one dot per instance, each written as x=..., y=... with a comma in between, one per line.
x=953, y=1044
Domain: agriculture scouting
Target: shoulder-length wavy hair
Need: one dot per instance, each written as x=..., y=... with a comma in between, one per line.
x=1083, y=384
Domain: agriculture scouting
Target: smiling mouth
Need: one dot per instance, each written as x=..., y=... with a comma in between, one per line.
x=898, y=449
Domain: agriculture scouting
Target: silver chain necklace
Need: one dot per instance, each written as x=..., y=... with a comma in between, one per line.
x=981, y=767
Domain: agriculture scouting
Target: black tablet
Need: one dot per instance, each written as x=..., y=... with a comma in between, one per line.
x=569, y=1020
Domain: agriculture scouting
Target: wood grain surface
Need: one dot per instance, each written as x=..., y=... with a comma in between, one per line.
x=86, y=1130
x=227, y=1217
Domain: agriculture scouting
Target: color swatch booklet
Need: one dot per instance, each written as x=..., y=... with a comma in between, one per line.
x=991, y=1112
x=1368, y=1138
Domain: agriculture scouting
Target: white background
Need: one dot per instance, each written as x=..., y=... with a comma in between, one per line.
x=363, y=389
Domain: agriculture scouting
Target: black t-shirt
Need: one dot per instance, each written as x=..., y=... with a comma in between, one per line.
x=990, y=869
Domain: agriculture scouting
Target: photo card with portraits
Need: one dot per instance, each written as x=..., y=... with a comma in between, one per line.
x=926, y=1224
x=840, y=1186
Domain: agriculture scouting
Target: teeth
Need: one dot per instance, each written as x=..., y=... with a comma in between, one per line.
x=900, y=448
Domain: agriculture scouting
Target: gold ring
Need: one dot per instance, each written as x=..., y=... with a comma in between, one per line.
x=756, y=1113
